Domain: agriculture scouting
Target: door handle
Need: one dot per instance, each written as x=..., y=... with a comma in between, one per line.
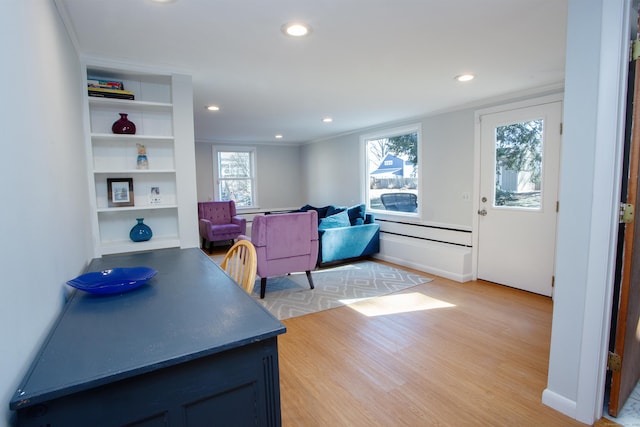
x=482, y=212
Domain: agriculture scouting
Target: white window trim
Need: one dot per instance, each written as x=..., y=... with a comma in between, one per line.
x=364, y=167
x=216, y=172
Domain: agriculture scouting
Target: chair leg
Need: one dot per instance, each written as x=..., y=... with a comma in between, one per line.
x=210, y=248
x=204, y=243
x=263, y=287
x=309, y=278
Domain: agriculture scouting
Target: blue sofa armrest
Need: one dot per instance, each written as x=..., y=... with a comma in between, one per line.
x=348, y=242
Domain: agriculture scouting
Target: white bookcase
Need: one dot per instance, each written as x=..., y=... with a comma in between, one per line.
x=163, y=114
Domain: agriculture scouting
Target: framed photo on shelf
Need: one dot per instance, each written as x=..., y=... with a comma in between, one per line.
x=154, y=196
x=120, y=192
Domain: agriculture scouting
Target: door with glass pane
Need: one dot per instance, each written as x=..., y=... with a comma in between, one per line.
x=519, y=169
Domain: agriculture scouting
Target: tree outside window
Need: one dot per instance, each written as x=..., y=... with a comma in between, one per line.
x=236, y=177
x=518, y=175
x=392, y=170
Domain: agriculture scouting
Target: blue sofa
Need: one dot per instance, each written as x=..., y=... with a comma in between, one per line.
x=345, y=233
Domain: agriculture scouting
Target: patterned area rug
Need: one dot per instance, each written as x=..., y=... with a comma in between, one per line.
x=290, y=296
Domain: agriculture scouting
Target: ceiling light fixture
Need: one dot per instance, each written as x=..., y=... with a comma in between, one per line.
x=327, y=119
x=296, y=29
x=279, y=136
x=464, y=77
x=213, y=108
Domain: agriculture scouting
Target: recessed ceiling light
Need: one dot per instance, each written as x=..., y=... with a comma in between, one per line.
x=296, y=29
x=464, y=77
x=213, y=108
x=279, y=136
x=327, y=119
x=163, y=1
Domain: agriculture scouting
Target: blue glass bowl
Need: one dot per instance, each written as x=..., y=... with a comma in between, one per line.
x=113, y=281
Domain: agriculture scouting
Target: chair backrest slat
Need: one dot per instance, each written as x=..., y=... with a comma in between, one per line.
x=240, y=263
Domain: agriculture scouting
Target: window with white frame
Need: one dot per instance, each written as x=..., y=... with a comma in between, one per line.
x=235, y=175
x=392, y=170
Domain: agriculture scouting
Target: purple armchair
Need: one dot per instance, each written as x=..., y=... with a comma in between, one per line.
x=218, y=221
x=285, y=243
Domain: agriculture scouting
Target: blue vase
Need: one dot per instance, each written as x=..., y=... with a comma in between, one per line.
x=140, y=232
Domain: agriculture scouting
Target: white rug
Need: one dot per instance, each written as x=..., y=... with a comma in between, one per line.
x=290, y=296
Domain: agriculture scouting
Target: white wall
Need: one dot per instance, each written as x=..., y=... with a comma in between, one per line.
x=448, y=171
x=332, y=170
x=279, y=172
x=597, y=44
x=204, y=172
x=44, y=224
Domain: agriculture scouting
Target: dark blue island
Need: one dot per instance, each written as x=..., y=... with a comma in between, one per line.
x=189, y=348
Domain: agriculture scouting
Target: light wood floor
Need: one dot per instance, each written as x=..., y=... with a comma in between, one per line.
x=482, y=362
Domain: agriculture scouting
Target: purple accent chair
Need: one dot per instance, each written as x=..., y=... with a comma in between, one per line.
x=219, y=221
x=285, y=243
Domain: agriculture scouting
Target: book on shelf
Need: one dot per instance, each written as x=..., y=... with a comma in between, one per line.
x=111, y=93
x=105, y=84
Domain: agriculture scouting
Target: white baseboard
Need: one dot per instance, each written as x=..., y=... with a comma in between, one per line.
x=441, y=259
x=559, y=403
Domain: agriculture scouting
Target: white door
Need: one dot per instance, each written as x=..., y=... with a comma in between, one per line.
x=519, y=170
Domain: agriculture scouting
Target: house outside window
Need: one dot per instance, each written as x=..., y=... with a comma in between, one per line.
x=235, y=176
x=392, y=172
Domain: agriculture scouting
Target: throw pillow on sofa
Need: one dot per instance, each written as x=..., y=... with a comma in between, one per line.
x=332, y=210
x=322, y=212
x=340, y=219
x=357, y=214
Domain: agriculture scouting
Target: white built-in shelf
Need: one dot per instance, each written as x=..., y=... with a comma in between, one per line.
x=120, y=246
x=117, y=137
x=134, y=171
x=136, y=208
x=114, y=156
x=128, y=103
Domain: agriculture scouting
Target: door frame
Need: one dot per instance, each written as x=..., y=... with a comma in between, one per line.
x=556, y=97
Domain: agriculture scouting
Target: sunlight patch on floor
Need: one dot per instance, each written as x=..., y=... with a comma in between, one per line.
x=394, y=304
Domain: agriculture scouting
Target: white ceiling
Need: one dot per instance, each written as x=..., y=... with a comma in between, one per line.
x=367, y=62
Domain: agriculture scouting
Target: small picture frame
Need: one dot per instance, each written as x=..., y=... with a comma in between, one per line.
x=120, y=192
x=154, y=196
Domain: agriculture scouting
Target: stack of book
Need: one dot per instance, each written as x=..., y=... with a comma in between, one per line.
x=108, y=89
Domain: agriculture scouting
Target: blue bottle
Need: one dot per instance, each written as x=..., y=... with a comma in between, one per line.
x=140, y=232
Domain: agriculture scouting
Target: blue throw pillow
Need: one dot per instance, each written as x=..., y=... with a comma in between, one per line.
x=356, y=214
x=340, y=219
x=332, y=210
x=322, y=212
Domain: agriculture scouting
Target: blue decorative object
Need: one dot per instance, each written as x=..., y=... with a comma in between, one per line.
x=142, y=162
x=113, y=281
x=140, y=232
x=340, y=219
x=357, y=214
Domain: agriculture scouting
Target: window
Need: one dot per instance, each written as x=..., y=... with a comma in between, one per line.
x=391, y=159
x=518, y=155
x=235, y=176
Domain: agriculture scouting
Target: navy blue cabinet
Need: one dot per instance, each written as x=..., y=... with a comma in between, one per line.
x=190, y=348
